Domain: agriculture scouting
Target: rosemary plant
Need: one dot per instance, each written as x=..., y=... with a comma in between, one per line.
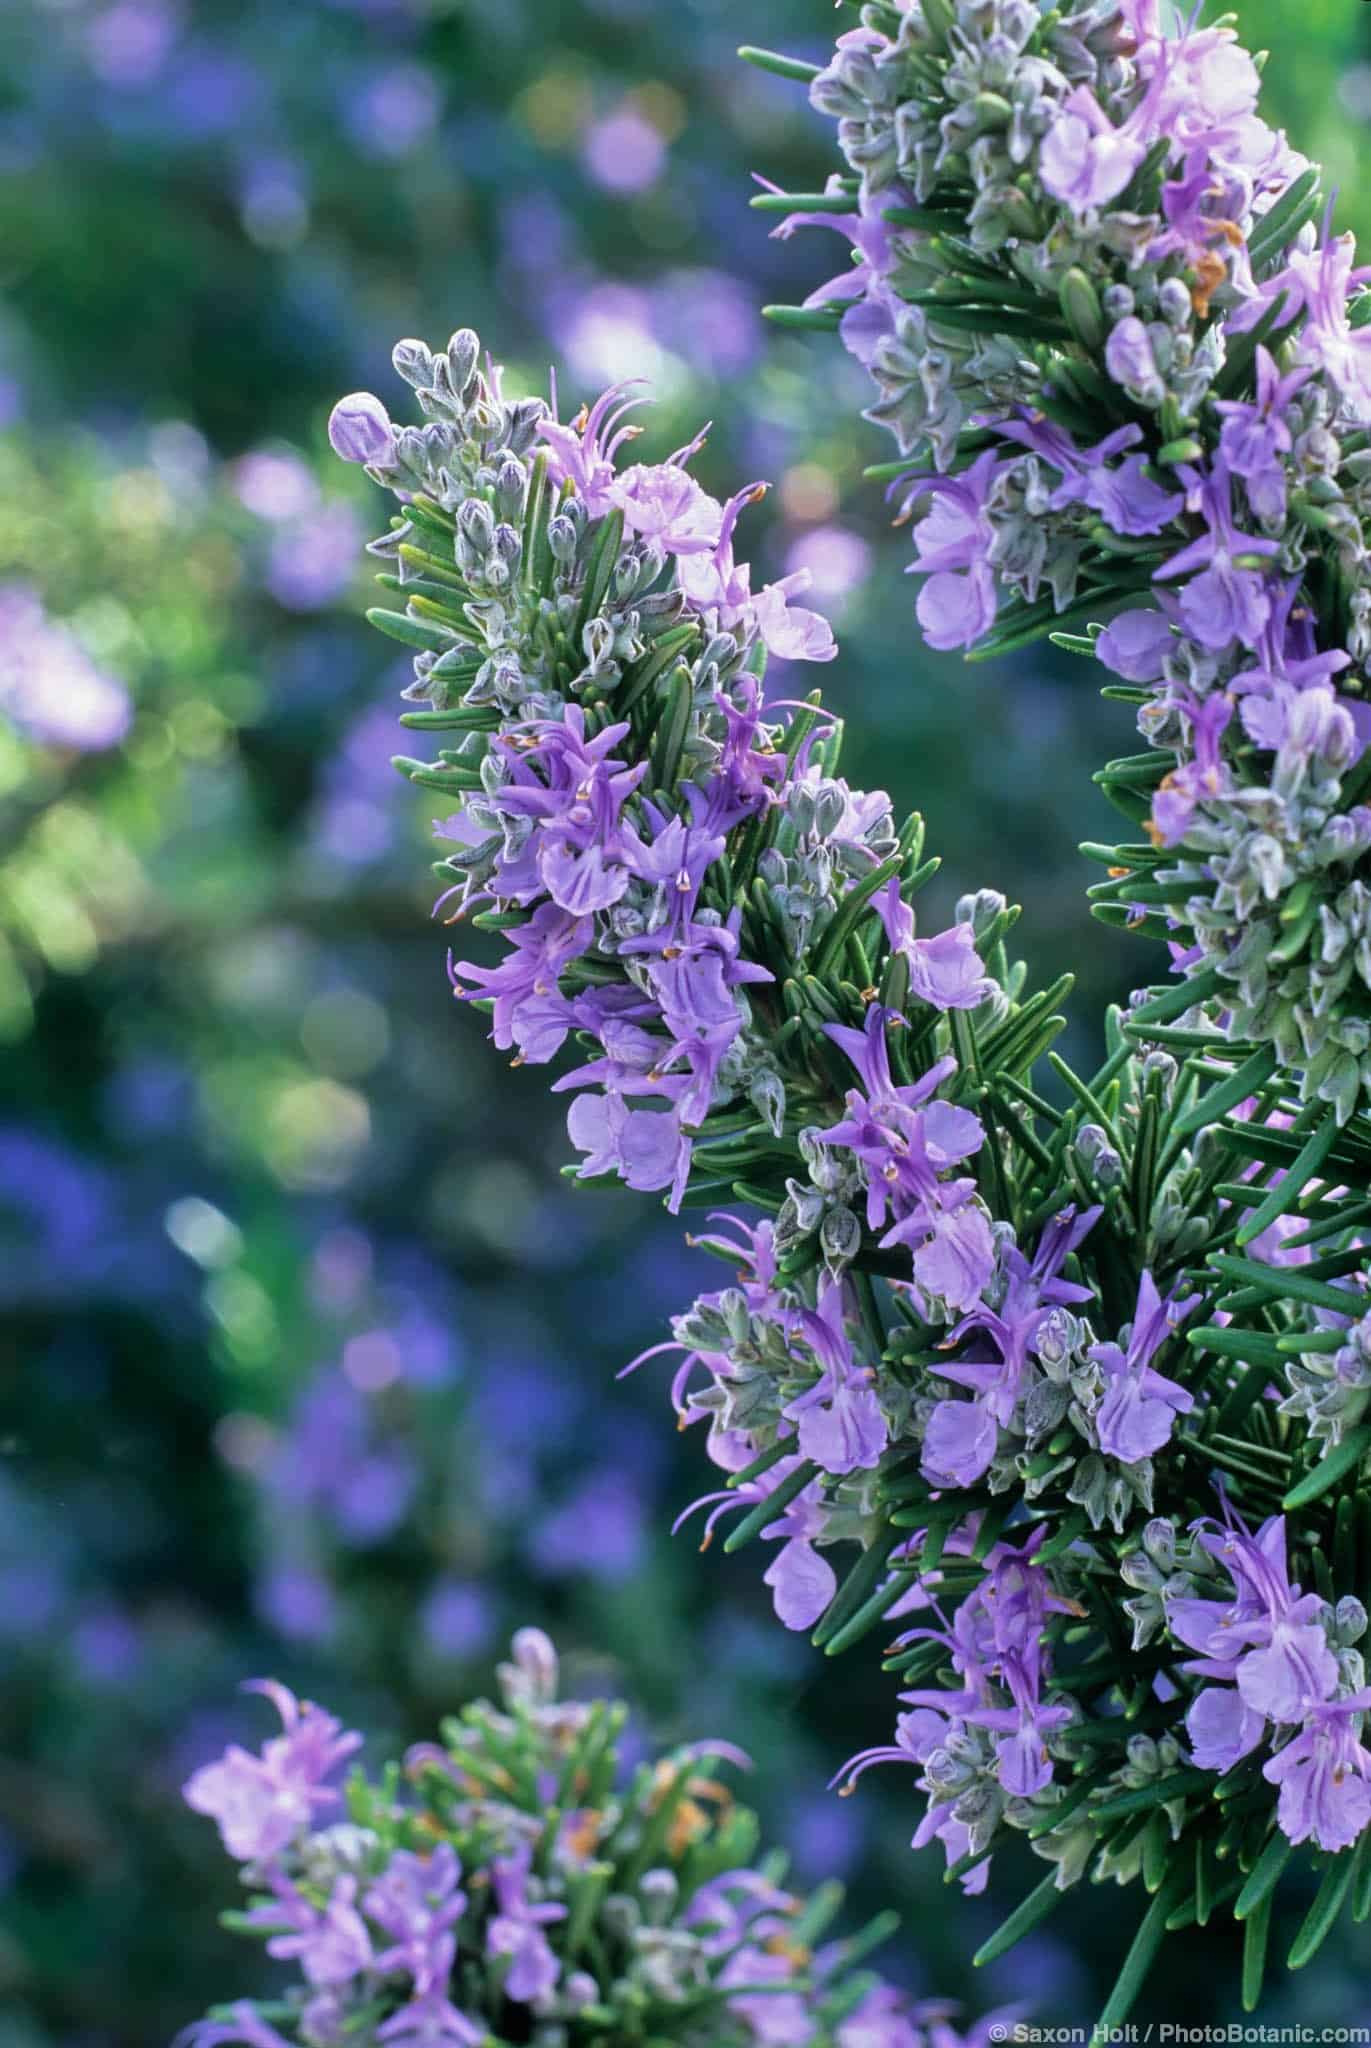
x=992, y=1374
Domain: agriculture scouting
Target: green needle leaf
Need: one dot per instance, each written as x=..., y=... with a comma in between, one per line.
x=1025, y=1917
x=1330, y=1470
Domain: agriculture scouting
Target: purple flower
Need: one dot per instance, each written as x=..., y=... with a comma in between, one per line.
x=430, y=2021
x=1084, y=160
x=905, y=1142
x=693, y=971
x=243, y=2025
x=574, y=806
x=861, y=288
x=1140, y=1406
x=359, y=429
x=331, y=1946
x=530, y=1012
x=775, y=2018
x=1255, y=438
x=715, y=580
x=1221, y=1728
x=1270, y=1641
x=1205, y=775
x=841, y=1426
x=1207, y=87
x=644, y=1147
x=1323, y=1777
x=417, y=1901
x=1128, y=501
x=1223, y=602
x=802, y=1583
x=583, y=453
x=1202, y=208
x=516, y=1931
x=957, y=604
x=902, y=1138
x=1135, y=645
x=945, y=970
x=664, y=503
x=1292, y=1668
x=1021, y=1753
x=262, y=1802
x=882, y=2020
x=959, y=1443
x=1318, y=283
x=1129, y=357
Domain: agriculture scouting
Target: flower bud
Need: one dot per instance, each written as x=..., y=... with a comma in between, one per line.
x=413, y=361
x=535, y=1664
x=359, y=430
x=463, y=351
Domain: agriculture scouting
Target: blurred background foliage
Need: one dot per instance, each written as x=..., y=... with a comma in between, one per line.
x=306, y=1351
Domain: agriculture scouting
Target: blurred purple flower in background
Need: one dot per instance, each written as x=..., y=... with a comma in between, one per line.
x=353, y=821
x=128, y=44
x=393, y=110
x=275, y=483
x=837, y=560
x=623, y=151
x=49, y=685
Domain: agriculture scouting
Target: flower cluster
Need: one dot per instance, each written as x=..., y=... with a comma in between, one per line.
x=556, y=595
x=982, y=1756
x=1283, y=1673
x=1126, y=375
x=973, y=1342
x=518, y=1883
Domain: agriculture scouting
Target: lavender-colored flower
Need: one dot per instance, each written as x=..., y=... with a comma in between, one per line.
x=714, y=579
x=517, y=1932
x=644, y=1147
x=880, y=2021
x=901, y=1135
x=1222, y=1728
x=583, y=453
x=802, y=1582
x=1324, y=1777
x=1223, y=602
x=1135, y=645
x=244, y=2026
x=1140, y=1405
x=262, y=1802
x=431, y=2021
x=840, y=1424
x=417, y=1901
x=959, y=1442
x=1085, y=161
x=332, y=1946
x=1318, y=284
x=953, y=541
x=663, y=502
x=1130, y=359
x=945, y=970
x=776, y=2018
x=1256, y=437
